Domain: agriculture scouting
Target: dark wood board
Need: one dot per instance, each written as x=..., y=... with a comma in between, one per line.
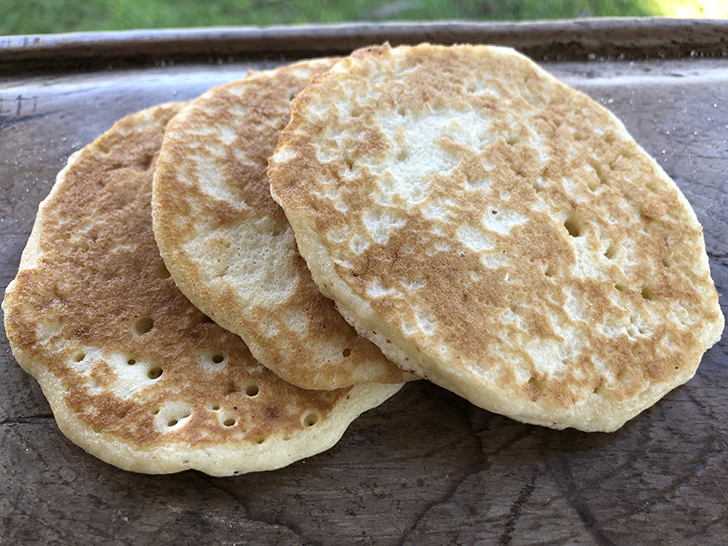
x=573, y=39
x=426, y=467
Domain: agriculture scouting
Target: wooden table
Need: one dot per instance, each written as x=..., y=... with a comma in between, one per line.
x=426, y=467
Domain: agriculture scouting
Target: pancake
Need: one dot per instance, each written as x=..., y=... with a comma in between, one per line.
x=134, y=373
x=498, y=233
x=229, y=247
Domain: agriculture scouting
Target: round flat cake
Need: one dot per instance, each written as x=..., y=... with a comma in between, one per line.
x=228, y=245
x=134, y=373
x=497, y=232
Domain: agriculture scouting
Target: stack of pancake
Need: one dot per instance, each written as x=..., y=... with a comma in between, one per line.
x=225, y=285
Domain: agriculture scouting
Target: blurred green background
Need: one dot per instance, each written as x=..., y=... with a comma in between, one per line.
x=50, y=16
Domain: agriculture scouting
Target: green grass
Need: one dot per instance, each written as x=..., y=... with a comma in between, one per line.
x=50, y=16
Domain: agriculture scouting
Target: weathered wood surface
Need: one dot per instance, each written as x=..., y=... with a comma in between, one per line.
x=569, y=39
x=426, y=467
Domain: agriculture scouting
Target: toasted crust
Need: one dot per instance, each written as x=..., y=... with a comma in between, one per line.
x=229, y=246
x=497, y=232
x=134, y=373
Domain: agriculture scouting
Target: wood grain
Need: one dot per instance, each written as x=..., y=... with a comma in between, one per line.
x=573, y=39
x=426, y=467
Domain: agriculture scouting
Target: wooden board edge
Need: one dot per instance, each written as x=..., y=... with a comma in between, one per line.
x=564, y=40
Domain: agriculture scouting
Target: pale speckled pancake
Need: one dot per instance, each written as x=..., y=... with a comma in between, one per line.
x=134, y=373
x=229, y=246
x=498, y=233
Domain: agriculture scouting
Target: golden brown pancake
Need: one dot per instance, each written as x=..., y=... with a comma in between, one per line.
x=134, y=373
x=497, y=232
x=229, y=247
